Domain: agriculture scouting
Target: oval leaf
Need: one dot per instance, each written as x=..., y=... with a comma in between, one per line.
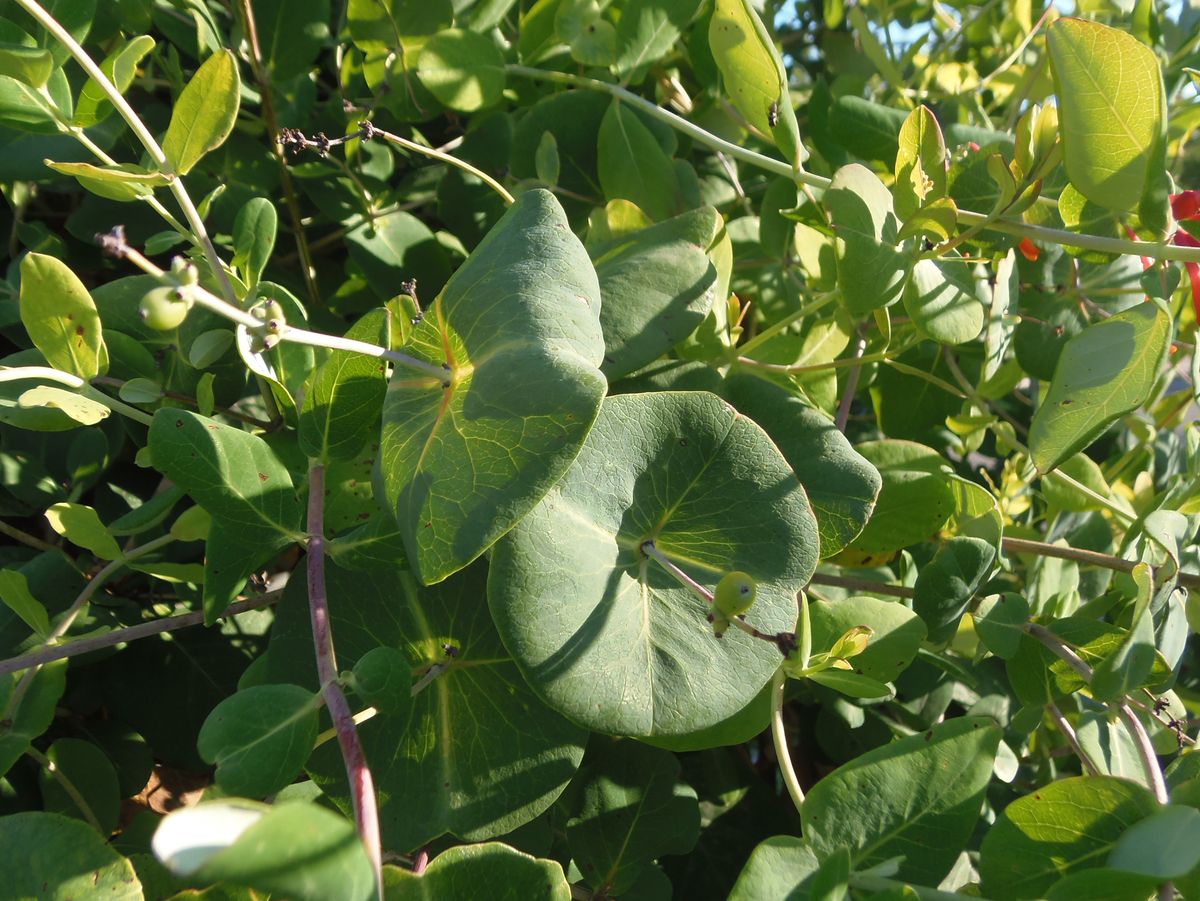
x=56, y=858
x=60, y=317
x=204, y=114
x=872, y=268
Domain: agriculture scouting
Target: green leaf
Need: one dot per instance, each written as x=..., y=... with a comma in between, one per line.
x=91, y=773
x=254, y=238
x=754, y=76
x=1061, y=828
x=60, y=317
x=999, y=620
x=204, y=114
x=546, y=161
x=632, y=165
x=897, y=633
x=646, y=32
x=80, y=525
x=464, y=70
x=941, y=300
x=1165, y=845
x=477, y=753
x=946, y=584
x=518, y=328
x=397, y=247
x=852, y=685
x=1129, y=665
x=62, y=859
x=919, y=797
x=920, y=163
x=232, y=474
x=383, y=678
x=632, y=810
x=29, y=65
x=125, y=182
x=344, y=396
x=24, y=109
x=461, y=871
x=779, y=868
x=842, y=485
x=33, y=714
x=605, y=634
x=121, y=68
x=1102, y=884
x=656, y=286
x=15, y=594
x=915, y=501
x=1106, y=371
x=291, y=34
x=1108, y=85
x=295, y=849
x=78, y=408
x=381, y=25
x=259, y=738
x=872, y=267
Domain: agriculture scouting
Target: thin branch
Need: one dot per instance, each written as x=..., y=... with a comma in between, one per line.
x=870, y=587
x=130, y=633
x=779, y=737
x=24, y=537
x=1146, y=752
x=358, y=773
x=1088, y=558
x=851, y=386
x=1072, y=739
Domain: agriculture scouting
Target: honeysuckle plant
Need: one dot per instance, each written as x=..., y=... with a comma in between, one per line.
x=583, y=449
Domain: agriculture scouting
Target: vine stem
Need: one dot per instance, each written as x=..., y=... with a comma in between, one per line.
x=24, y=537
x=372, y=131
x=147, y=140
x=1062, y=650
x=68, y=786
x=130, y=633
x=851, y=386
x=1092, y=558
x=205, y=298
x=362, y=784
x=1072, y=739
x=16, y=373
x=72, y=613
x=853, y=584
x=779, y=737
x=1153, y=250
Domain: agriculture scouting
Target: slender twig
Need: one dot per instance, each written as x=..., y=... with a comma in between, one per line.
x=371, y=131
x=24, y=537
x=779, y=737
x=1072, y=739
x=68, y=786
x=358, y=773
x=114, y=243
x=801, y=368
x=246, y=9
x=866, y=585
x=819, y=303
x=1153, y=250
x=1089, y=558
x=17, y=373
x=851, y=386
x=130, y=633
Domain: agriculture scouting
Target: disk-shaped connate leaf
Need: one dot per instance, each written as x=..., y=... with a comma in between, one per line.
x=607, y=635
x=465, y=457
x=1104, y=372
x=1110, y=105
x=259, y=738
x=461, y=871
x=476, y=752
x=657, y=286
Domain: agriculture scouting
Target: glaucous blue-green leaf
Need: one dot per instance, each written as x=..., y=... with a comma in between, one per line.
x=476, y=753
x=999, y=620
x=259, y=738
x=633, y=166
x=647, y=30
x=56, y=858
x=633, y=809
x=656, y=286
x=344, y=395
x=896, y=633
x=93, y=777
x=920, y=163
x=753, y=73
x=1111, y=109
x=1165, y=845
x=204, y=113
x=461, y=872
x=517, y=327
x=254, y=238
x=735, y=729
x=1104, y=372
x=842, y=485
x=606, y=634
x=941, y=301
x=294, y=849
x=780, y=867
x=464, y=70
x=60, y=317
x=1061, y=828
x=915, y=501
x=946, y=584
x=919, y=797
x=872, y=266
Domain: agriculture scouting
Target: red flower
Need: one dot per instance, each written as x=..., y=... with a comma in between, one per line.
x=1185, y=207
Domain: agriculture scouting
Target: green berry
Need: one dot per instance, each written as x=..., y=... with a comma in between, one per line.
x=734, y=595
x=164, y=308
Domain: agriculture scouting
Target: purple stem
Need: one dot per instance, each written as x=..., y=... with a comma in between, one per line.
x=843, y=413
x=362, y=785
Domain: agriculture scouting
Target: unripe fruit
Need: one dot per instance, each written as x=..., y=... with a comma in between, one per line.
x=164, y=308
x=734, y=595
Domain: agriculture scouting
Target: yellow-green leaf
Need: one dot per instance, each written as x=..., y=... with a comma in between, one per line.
x=204, y=113
x=79, y=524
x=60, y=317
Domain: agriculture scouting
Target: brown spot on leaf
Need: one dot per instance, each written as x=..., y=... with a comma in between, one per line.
x=262, y=476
